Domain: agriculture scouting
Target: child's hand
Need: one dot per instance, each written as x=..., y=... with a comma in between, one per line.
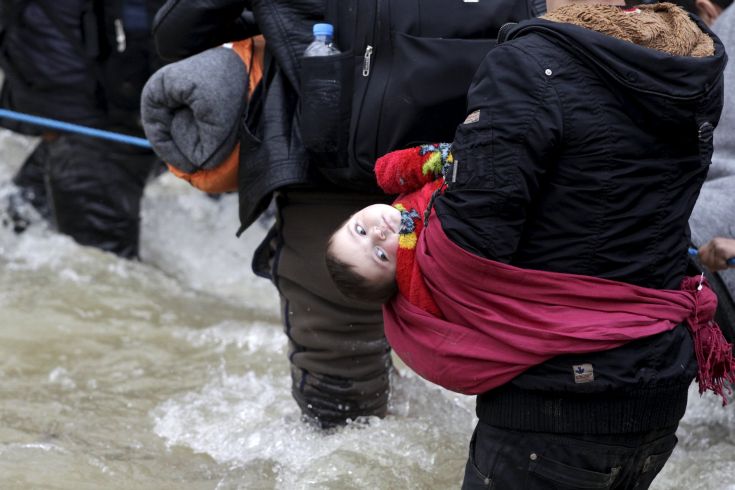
x=408, y=170
x=718, y=254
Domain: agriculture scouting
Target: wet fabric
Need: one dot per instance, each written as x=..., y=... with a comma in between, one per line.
x=340, y=359
x=73, y=61
x=95, y=190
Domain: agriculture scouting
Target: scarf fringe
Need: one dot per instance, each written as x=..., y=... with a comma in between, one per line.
x=715, y=359
x=714, y=353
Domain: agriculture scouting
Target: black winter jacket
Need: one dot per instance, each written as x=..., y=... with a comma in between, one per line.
x=81, y=61
x=48, y=64
x=587, y=158
x=272, y=151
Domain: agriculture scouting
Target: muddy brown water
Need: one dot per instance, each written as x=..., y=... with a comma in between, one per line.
x=171, y=373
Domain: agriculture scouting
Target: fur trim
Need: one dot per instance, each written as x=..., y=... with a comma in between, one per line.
x=663, y=26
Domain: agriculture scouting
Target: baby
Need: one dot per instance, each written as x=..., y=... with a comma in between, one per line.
x=371, y=256
x=492, y=326
x=362, y=253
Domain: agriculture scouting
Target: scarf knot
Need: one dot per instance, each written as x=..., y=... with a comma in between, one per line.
x=714, y=354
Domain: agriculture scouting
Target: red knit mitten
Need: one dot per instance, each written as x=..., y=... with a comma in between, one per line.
x=407, y=170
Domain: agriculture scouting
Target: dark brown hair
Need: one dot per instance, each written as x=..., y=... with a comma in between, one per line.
x=352, y=284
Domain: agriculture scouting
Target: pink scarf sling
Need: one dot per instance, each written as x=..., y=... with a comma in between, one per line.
x=500, y=320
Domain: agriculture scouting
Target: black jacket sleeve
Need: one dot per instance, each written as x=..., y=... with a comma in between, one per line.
x=182, y=28
x=502, y=152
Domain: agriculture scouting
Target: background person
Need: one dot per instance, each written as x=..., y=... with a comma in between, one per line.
x=707, y=10
x=713, y=213
x=81, y=62
x=716, y=253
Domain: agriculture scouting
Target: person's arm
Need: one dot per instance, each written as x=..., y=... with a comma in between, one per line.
x=182, y=28
x=501, y=152
x=718, y=254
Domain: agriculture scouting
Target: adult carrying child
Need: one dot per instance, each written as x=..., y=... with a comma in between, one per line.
x=587, y=139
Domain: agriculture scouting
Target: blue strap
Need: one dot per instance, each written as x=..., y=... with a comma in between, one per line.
x=694, y=251
x=74, y=128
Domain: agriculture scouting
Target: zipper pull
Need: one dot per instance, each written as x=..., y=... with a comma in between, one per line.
x=120, y=36
x=366, y=61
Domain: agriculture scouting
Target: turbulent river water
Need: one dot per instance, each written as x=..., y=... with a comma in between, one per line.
x=171, y=373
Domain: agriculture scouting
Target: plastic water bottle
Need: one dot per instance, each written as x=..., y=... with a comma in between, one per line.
x=322, y=44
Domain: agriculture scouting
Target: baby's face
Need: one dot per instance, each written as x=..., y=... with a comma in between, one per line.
x=368, y=241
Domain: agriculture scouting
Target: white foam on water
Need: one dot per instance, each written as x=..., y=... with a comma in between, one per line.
x=38, y=247
x=225, y=418
x=13, y=151
x=184, y=233
x=191, y=236
x=256, y=336
x=176, y=334
x=61, y=377
x=239, y=420
x=704, y=458
x=35, y=446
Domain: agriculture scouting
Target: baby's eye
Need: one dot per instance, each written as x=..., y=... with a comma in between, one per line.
x=381, y=254
x=360, y=230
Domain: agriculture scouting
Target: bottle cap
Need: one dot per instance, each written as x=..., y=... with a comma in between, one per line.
x=323, y=30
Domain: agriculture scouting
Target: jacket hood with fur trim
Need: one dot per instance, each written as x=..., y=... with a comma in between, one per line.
x=658, y=51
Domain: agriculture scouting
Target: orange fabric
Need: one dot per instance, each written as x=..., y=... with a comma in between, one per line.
x=251, y=53
x=223, y=177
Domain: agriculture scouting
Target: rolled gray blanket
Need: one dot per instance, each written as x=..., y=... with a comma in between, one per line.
x=191, y=109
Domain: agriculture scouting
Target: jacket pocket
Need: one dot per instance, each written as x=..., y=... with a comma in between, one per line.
x=705, y=135
x=249, y=142
x=570, y=476
x=654, y=463
x=475, y=478
x=325, y=107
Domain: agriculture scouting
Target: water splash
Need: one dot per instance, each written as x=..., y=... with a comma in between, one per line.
x=172, y=373
x=209, y=257
x=247, y=420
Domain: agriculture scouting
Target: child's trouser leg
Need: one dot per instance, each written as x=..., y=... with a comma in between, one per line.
x=340, y=359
